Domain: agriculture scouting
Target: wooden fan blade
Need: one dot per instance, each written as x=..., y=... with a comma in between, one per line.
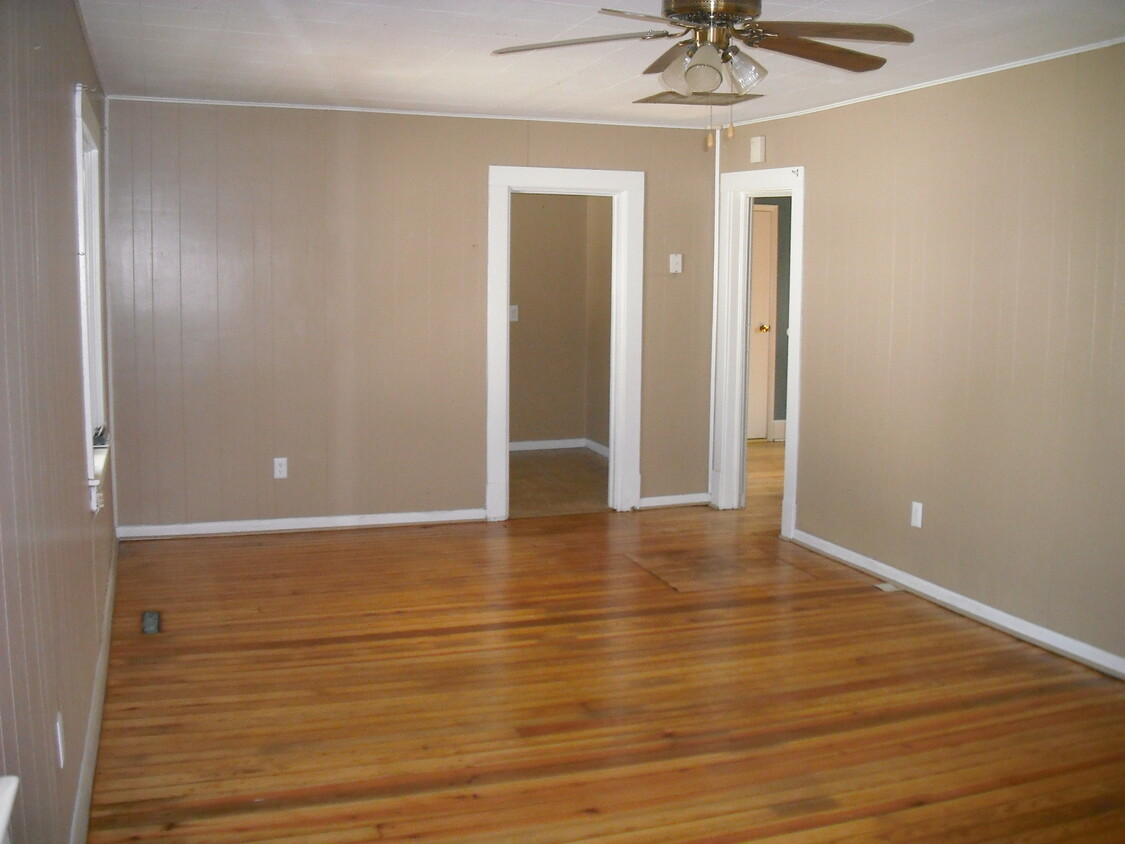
x=672, y=98
x=666, y=59
x=818, y=51
x=637, y=16
x=844, y=31
x=594, y=39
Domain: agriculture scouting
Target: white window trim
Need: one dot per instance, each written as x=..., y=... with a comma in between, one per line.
x=88, y=189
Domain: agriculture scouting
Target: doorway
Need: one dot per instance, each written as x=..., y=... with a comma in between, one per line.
x=762, y=322
x=738, y=193
x=767, y=325
x=626, y=192
x=559, y=354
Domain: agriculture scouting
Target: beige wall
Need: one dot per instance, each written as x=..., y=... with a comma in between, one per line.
x=560, y=279
x=964, y=326
x=55, y=557
x=599, y=310
x=312, y=285
x=548, y=344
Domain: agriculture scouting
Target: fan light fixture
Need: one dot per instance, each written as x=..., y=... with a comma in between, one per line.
x=700, y=70
x=693, y=69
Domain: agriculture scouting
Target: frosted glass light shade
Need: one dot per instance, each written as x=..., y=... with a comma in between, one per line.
x=699, y=72
x=705, y=72
x=745, y=73
x=673, y=75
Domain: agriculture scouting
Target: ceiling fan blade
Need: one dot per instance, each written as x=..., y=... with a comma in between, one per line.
x=818, y=51
x=637, y=16
x=672, y=98
x=666, y=59
x=845, y=31
x=593, y=39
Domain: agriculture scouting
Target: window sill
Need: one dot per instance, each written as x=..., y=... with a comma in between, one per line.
x=101, y=461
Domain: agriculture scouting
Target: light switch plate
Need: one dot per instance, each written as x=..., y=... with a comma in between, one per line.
x=675, y=263
x=758, y=149
x=916, y=514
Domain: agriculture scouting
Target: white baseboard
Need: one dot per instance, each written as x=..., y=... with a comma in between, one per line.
x=80, y=820
x=674, y=500
x=597, y=448
x=546, y=445
x=776, y=430
x=309, y=523
x=554, y=445
x=1079, y=651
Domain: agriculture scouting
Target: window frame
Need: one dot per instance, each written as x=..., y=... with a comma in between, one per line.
x=91, y=290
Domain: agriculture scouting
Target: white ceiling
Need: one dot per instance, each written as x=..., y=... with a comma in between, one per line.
x=434, y=56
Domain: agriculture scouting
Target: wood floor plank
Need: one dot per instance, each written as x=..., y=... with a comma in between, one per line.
x=675, y=675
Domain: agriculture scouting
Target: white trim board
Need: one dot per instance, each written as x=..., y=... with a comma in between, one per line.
x=302, y=523
x=556, y=445
x=398, y=111
x=627, y=190
x=945, y=80
x=80, y=818
x=1079, y=651
x=688, y=500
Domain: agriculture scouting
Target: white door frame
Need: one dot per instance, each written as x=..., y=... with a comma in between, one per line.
x=728, y=411
x=627, y=189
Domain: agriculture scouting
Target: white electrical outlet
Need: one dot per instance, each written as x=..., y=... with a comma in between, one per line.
x=676, y=263
x=916, y=514
x=60, y=744
x=513, y=313
x=280, y=467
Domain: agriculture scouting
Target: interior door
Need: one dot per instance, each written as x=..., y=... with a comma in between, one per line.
x=761, y=342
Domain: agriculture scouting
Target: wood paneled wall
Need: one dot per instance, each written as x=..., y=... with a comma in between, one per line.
x=964, y=329
x=55, y=556
x=311, y=285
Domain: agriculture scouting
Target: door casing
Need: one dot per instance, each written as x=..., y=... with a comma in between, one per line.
x=728, y=408
x=627, y=190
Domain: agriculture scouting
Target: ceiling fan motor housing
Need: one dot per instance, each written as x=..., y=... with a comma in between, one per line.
x=712, y=12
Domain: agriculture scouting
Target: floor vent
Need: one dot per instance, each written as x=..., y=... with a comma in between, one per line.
x=150, y=622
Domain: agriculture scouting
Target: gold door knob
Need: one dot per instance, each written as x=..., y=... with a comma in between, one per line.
x=764, y=329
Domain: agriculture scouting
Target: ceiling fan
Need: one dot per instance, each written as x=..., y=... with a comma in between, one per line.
x=697, y=66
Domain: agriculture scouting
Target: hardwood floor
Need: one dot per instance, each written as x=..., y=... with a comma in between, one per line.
x=675, y=675
x=557, y=482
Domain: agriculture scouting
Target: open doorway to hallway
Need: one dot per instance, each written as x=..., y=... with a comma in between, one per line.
x=767, y=357
x=738, y=192
x=626, y=191
x=559, y=352
x=765, y=479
